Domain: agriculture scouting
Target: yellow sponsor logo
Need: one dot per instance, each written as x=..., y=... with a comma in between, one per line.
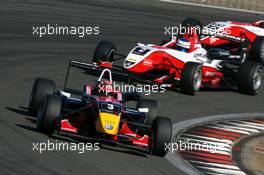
x=132, y=59
x=108, y=123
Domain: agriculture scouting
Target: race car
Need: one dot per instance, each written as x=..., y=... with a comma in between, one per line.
x=99, y=113
x=236, y=37
x=183, y=62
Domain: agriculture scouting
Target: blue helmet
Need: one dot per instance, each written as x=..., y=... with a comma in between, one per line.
x=183, y=45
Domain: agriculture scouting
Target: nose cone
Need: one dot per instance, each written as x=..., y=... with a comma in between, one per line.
x=107, y=123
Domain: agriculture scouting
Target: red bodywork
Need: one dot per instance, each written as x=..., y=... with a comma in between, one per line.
x=235, y=29
x=133, y=137
x=73, y=124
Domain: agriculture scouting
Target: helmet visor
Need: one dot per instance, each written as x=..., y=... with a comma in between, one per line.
x=182, y=49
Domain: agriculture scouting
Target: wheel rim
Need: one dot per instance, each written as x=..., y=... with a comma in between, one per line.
x=111, y=55
x=257, y=78
x=262, y=55
x=197, y=79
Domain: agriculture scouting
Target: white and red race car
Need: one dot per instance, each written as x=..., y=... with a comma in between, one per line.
x=168, y=65
x=236, y=37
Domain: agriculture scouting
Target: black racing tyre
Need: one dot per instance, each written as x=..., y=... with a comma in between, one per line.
x=257, y=50
x=152, y=106
x=161, y=136
x=250, y=78
x=40, y=89
x=191, y=78
x=192, y=22
x=165, y=41
x=48, y=114
x=105, y=51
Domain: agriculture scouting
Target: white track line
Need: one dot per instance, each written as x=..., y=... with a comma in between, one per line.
x=232, y=130
x=210, y=173
x=205, y=142
x=216, y=165
x=221, y=170
x=253, y=124
x=211, y=6
x=245, y=125
x=209, y=138
x=238, y=128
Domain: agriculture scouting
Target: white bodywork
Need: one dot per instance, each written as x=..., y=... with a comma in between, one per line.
x=199, y=55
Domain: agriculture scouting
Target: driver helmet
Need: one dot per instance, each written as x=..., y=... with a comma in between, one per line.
x=183, y=45
x=262, y=24
x=105, y=88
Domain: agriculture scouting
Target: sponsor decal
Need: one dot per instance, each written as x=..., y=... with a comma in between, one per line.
x=213, y=39
x=110, y=121
x=108, y=126
x=131, y=59
x=139, y=143
x=143, y=109
x=131, y=134
x=110, y=106
x=210, y=74
x=147, y=62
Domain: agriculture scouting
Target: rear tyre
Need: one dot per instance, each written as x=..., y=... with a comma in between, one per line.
x=40, y=89
x=105, y=51
x=250, y=78
x=257, y=50
x=152, y=106
x=191, y=78
x=192, y=22
x=161, y=136
x=48, y=114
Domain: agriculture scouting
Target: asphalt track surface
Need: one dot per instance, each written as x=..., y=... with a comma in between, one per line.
x=24, y=57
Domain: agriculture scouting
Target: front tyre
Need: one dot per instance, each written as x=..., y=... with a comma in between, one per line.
x=192, y=22
x=250, y=78
x=257, y=50
x=152, y=106
x=48, y=114
x=191, y=78
x=104, y=52
x=161, y=136
x=40, y=89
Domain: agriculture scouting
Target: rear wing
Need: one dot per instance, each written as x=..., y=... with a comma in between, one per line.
x=259, y=23
x=91, y=68
x=118, y=72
